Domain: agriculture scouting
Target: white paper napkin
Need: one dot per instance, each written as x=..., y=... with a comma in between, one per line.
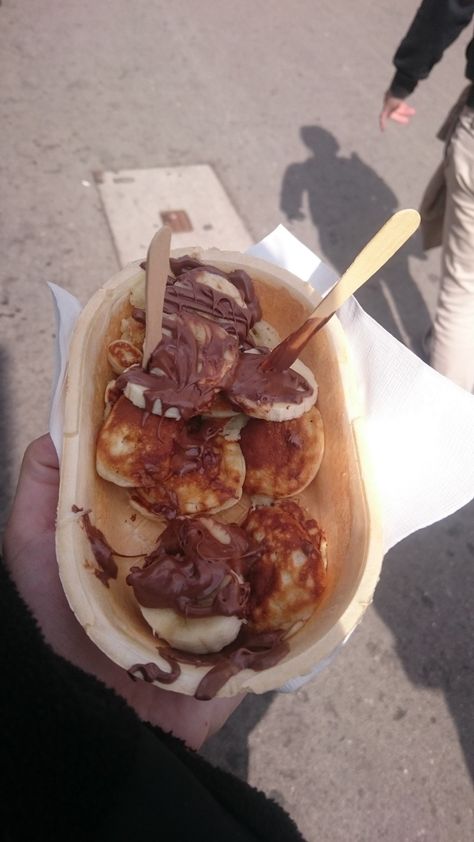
x=66, y=312
x=420, y=426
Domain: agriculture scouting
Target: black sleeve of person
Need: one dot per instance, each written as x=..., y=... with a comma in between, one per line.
x=436, y=25
x=78, y=764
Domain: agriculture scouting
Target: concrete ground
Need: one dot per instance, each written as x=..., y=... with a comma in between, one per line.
x=282, y=100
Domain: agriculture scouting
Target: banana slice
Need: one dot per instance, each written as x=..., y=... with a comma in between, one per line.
x=272, y=395
x=264, y=335
x=199, y=635
x=232, y=429
x=220, y=284
x=191, y=589
x=136, y=394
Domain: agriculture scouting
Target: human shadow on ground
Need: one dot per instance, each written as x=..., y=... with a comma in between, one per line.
x=348, y=202
x=5, y=443
x=426, y=593
x=229, y=748
x=426, y=598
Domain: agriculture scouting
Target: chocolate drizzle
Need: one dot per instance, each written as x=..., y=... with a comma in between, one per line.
x=187, y=294
x=183, y=267
x=196, y=450
x=194, y=573
x=152, y=672
x=102, y=551
x=250, y=650
x=193, y=449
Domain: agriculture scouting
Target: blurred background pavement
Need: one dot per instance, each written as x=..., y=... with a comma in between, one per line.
x=282, y=101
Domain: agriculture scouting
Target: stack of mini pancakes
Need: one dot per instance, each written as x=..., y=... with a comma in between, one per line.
x=231, y=463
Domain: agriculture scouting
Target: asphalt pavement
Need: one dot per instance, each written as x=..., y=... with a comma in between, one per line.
x=282, y=101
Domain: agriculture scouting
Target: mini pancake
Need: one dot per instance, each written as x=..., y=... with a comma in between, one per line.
x=134, y=448
x=203, y=478
x=290, y=575
x=122, y=354
x=282, y=458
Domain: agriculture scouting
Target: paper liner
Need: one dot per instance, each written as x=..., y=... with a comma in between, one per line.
x=341, y=497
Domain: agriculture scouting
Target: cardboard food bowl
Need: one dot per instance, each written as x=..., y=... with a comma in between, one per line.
x=341, y=497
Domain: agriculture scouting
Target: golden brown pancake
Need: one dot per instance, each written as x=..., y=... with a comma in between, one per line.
x=134, y=448
x=283, y=457
x=214, y=483
x=290, y=575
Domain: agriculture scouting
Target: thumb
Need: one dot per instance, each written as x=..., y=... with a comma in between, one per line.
x=35, y=503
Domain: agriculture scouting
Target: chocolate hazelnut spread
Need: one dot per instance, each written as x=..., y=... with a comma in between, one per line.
x=194, y=573
x=250, y=650
x=238, y=277
x=187, y=368
x=193, y=446
x=101, y=549
x=152, y=672
x=185, y=293
x=253, y=383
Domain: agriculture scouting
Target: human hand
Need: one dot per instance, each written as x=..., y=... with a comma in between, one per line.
x=395, y=109
x=29, y=551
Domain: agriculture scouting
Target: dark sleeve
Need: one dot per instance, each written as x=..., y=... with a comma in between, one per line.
x=436, y=25
x=78, y=764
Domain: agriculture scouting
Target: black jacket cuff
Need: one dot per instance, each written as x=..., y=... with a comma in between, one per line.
x=402, y=85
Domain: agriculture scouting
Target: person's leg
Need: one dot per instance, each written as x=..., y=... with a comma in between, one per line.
x=452, y=349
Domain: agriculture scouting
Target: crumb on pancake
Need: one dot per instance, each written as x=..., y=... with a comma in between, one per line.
x=282, y=458
x=290, y=575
